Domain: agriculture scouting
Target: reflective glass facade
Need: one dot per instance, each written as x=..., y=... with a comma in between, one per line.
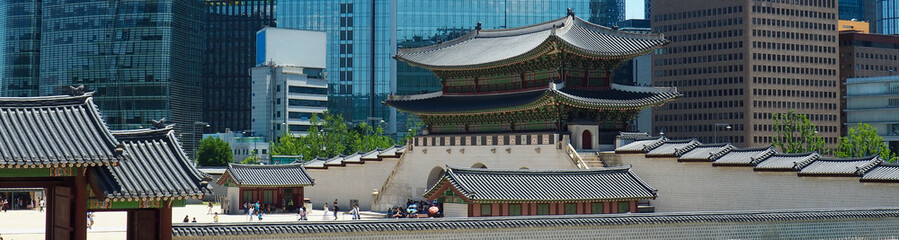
x=363, y=35
x=20, y=50
x=887, y=17
x=231, y=28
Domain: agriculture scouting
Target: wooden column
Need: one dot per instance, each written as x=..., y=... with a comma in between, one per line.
x=79, y=209
x=165, y=221
x=475, y=210
x=633, y=206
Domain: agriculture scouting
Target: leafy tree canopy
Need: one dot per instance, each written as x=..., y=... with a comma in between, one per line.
x=863, y=141
x=794, y=133
x=252, y=159
x=214, y=151
x=330, y=136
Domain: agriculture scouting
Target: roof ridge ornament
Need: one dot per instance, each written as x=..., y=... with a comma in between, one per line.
x=478, y=27
x=75, y=91
x=570, y=12
x=158, y=124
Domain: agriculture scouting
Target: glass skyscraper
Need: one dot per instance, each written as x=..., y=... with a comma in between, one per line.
x=231, y=28
x=887, y=21
x=141, y=58
x=364, y=35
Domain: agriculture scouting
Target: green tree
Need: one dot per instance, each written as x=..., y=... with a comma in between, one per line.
x=863, y=141
x=794, y=133
x=214, y=151
x=252, y=159
x=328, y=136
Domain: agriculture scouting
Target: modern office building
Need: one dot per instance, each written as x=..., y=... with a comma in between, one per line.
x=859, y=10
x=231, y=28
x=740, y=62
x=637, y=72
x=20, y=43
x=855, y=26
x=873, y=100
x=244, y=144
x=363, y=36
x=865, y=55
x=647, y=9
x=289, y=82
x=887, y=17
x=142, y=59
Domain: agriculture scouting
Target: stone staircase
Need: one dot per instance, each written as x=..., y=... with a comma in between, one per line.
x=592, y=159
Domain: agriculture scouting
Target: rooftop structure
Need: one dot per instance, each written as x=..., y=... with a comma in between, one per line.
x=280, y=185
x=554, y=75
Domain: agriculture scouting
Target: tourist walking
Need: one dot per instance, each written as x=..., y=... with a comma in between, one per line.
x=186, y=218
x=302, y=213
x=215, y=218
x=209, y=211
x=336, y=209
x=42, y=203
x=356, y=212
x=90, y=220
x=325, y=216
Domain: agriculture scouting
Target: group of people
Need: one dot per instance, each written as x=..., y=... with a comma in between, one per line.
x=415, y=209
x=354, y=211
x=254, y=209
x=22, y=202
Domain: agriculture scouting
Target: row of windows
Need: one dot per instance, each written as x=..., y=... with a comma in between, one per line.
x=700, y=59
x=307, y=90
x=699, y=24
x=794, y=70
x=878, y=68
x=794, y=81
x=795, y=24
x=698, y=13
x=795, y=12
x=703, y=105
x=699, y=70
x=793, y=58
x=707, y=35
x=770, y=139
x=876, y=56
x=543, y=208
x=714, y=93
x=696, y=128
x=703, y=82
x=814, y=3
x=811, y=117
x=346, y=48
x=794, y=35
x=771, y=128
x=700, y=47
x=306, y=103
x=699, y=116
x=862, y=43
x=794, y=105
x=248, y=151
x=300, y=115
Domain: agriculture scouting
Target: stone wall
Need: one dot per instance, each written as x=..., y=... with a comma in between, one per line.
x=701, y=187
x=350, y=182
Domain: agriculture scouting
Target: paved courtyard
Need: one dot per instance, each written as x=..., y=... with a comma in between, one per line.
x=30, y=224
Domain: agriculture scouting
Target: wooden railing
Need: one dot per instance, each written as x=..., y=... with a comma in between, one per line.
x=575, y=158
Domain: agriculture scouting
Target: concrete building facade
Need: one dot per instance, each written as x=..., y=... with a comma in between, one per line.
x=739, y=62
x=243, y=144
x=289, y=82
x=865, y=55
x=875, y=101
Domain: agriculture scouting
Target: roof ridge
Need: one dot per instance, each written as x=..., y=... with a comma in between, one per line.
x=540, y=171
x=854, y=159
x=45, y=101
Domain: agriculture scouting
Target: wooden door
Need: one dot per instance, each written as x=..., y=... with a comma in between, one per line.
x=586, y=140
x=60, y=212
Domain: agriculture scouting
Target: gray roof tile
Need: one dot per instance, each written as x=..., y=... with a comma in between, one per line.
x=480, y=48
x=705, y=152
x=883, y=172
x=281, y=175
x=786, y=161
x=743, y=156
x=486, y=185
x=673, y=148
x=247, y=230
x=840, y=166
x=154, y=166
x=64, y=130
x=641, y=146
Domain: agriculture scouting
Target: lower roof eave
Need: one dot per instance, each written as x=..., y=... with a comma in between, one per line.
x=478, y=201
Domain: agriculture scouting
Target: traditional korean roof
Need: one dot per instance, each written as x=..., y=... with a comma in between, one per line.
x=641, y=146
x=490, y=48
x=617, y=97
x=673, y=148
x=294, y=229
x=883, y=172
x=356, y=158
x=54, y=131
x=705, y=152
x=633, y=135
x=154, y=167
x=786, y=161
x=835, y=167
x=279, y=175
x=743, y=156
x=487, y=185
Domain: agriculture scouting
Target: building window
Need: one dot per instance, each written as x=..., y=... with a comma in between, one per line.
x=247, y=196
x=514, y=209
x=596, y=208
x=486, y=210
x=543, y=209
x=268, y=196
x=624, y=207
x=570, y=208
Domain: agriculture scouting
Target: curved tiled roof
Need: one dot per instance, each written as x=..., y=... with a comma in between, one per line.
x=154, y=167
x=618, y=97
x=640, y=146
x=486, y=185
x=54, y=130
x=705, y=152
x=357, y=158
x=786, y=161
x=882, y=173
x=673, y=148
x=279, y=175
x=442, y=224
x=840, y=166
x=744, y=156
x=484, y=48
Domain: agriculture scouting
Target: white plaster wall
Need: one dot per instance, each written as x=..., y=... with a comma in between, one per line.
x=701, y=187
x=411, y=180
x=455, y=210
x=578, y=130
x=234, y=202
x=354, y=181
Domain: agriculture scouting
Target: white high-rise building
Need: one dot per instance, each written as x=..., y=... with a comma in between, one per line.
x=289, y=81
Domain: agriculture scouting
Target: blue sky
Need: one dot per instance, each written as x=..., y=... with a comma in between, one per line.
x=634, y=9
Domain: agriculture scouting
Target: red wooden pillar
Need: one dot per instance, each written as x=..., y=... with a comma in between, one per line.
x=475, y=210
x=165, y=221
x=633, y=206
x=607, y=207
x=79, y=210
x=505, y=207
x=495, y=210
